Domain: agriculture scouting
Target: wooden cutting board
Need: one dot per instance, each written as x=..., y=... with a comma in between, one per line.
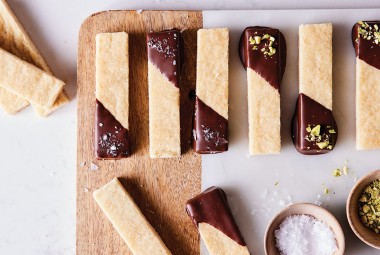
x=160, y=187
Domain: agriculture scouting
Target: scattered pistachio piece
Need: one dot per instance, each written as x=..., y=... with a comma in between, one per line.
x=308, y=129
x=326, y=191
x=337, y=172
x=332, y=131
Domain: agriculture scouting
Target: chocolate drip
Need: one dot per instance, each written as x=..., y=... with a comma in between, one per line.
x=210, y=133
x=164, y=51
x=211, y=207
x=310, y=113
x=111, y=138
x=366, y=50
x=271, y=68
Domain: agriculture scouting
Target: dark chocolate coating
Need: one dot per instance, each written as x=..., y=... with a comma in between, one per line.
x=310, y=112
x=366, y=50
x=210, y=133
x=164, y=51
x=111, y=138
x=271, y=68
x=211, y=207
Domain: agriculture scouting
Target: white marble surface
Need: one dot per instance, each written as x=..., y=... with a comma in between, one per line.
x=37, y=177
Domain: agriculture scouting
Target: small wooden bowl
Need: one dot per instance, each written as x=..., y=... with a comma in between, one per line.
x=365, y=234
x=303, y=208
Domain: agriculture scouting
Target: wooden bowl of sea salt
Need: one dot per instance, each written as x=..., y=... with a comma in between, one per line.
x=365, y=234
x=304, y=228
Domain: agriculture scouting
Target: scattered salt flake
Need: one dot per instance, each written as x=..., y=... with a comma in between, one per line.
x=319, y=196
x=100, y=124
x=139, y=11
x=255, y=212
x=264, y=194
x=86, y=190
x=281, y=203
x=355, y=179
x=317, y=202
x=82, y=164
x=303, y=234
x=94, y=167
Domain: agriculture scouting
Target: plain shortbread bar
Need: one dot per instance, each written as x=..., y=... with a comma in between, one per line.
x=128, y=220
x=14, y=39
x=28, y=81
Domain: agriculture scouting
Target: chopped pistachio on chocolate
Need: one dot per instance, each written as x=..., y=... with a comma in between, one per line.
x=268, y=49
x=316, y=134
x=369, y=32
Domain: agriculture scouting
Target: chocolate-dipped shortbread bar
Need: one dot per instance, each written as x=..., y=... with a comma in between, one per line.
x=212, y=216
x=164, y=61
x=210, y=134
x=112, y=92
x=128, y=220
x=366, y=40
x=263, y=53
x=314, y=130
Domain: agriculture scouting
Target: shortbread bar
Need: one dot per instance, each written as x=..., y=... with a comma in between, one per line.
x=28, y=81
x=14, y=39
x=212, y=216
x=366, y=39
x=128, y=220
x=112, y=96
x=164, y=61
x=210, y=133
x=263, y=53
x=314, y=130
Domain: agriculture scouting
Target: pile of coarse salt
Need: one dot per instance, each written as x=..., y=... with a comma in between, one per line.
x=303, y=234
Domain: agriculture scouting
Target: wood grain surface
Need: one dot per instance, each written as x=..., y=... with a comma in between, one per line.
x=160, y=187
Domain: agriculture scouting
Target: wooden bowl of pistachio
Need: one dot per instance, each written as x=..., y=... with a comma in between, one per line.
x=363, y=209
